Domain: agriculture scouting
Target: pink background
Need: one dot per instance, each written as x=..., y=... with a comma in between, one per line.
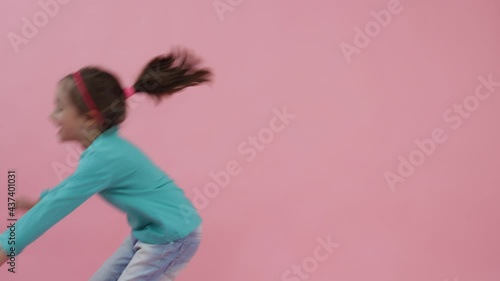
x=323, y=175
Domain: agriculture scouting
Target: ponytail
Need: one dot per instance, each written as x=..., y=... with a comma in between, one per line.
x=167, y=74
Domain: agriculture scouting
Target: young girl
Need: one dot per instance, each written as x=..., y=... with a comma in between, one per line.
x=90, y=105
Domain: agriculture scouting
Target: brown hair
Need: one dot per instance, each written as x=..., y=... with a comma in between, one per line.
x=162, y=76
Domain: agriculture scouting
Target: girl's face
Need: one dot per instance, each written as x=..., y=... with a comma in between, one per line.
x=72, y=125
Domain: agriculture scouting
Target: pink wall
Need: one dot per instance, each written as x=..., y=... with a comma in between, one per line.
x=359, y=104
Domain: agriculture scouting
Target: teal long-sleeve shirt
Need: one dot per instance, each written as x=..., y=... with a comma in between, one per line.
x=157, y=210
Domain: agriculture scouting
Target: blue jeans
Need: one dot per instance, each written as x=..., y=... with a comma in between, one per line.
x=138, y=261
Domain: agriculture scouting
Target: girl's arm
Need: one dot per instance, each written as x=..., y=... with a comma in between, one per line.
x=93, y=175
x=61, y=184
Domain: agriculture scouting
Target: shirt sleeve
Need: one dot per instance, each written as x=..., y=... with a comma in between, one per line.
x=49, y=190
x=92, y=175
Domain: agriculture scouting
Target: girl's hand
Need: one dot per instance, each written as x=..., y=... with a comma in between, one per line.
x=24, y=203
x=3, y=257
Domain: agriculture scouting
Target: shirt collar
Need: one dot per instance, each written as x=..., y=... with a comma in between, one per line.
x=113, y=131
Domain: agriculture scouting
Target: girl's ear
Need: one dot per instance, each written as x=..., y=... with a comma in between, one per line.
x=94, y=113
x=91, y=117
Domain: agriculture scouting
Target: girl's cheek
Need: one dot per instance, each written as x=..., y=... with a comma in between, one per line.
x=58, y=117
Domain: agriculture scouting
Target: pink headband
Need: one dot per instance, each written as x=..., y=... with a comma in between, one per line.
x=85, y=94
x=88, y=99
